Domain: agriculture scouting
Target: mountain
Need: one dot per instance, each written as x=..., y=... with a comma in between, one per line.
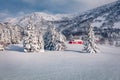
x=106, y=16
x=40, y=18
x=105, y=19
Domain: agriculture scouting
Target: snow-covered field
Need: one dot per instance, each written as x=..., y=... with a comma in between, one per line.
x=60, y=65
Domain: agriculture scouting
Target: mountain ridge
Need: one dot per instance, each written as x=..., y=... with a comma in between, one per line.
x=106, y=17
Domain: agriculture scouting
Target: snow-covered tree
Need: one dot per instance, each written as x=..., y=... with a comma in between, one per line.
x=32, y=42
x=54, y=40
x=89, y=44
x=10, y=34
x=4, y=36
x=117, y=44
x=70, y=37
x=40, y=41
x=15, y=33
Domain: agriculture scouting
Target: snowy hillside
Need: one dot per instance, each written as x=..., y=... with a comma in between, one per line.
x=71, y=64
x=41, y=19
x=103, y=17
x=105, y=20
x=36, y=45
x=106, y=15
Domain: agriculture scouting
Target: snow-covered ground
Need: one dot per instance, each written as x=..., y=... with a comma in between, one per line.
x=71, y=64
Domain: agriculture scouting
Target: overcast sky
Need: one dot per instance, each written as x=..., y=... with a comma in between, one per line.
x=20, y=7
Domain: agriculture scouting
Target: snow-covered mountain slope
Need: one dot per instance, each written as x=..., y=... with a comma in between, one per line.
x=106, y=16
x=60, y=65
x=41, y=19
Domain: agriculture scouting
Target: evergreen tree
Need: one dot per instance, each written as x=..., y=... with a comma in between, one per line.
x=54, y=40
x=32, y=42
x=4, y=36
x=15, y=34
x=117, y=44
x=89, y=44
x=71, y=37
x=40, y=41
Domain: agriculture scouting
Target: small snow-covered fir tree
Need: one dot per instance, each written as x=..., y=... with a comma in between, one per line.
x=32, y=42
x=54, y=40
x=71, y=37
x=117, y=44
x=89, y=44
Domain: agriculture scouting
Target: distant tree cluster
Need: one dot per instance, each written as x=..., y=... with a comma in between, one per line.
x=9, y=34
x=36, y=41
x=54, y=40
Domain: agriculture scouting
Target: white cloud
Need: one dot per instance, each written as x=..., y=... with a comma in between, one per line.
x=21, y=13
x=7, y=16
x=32, y=2
x=4, y=14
